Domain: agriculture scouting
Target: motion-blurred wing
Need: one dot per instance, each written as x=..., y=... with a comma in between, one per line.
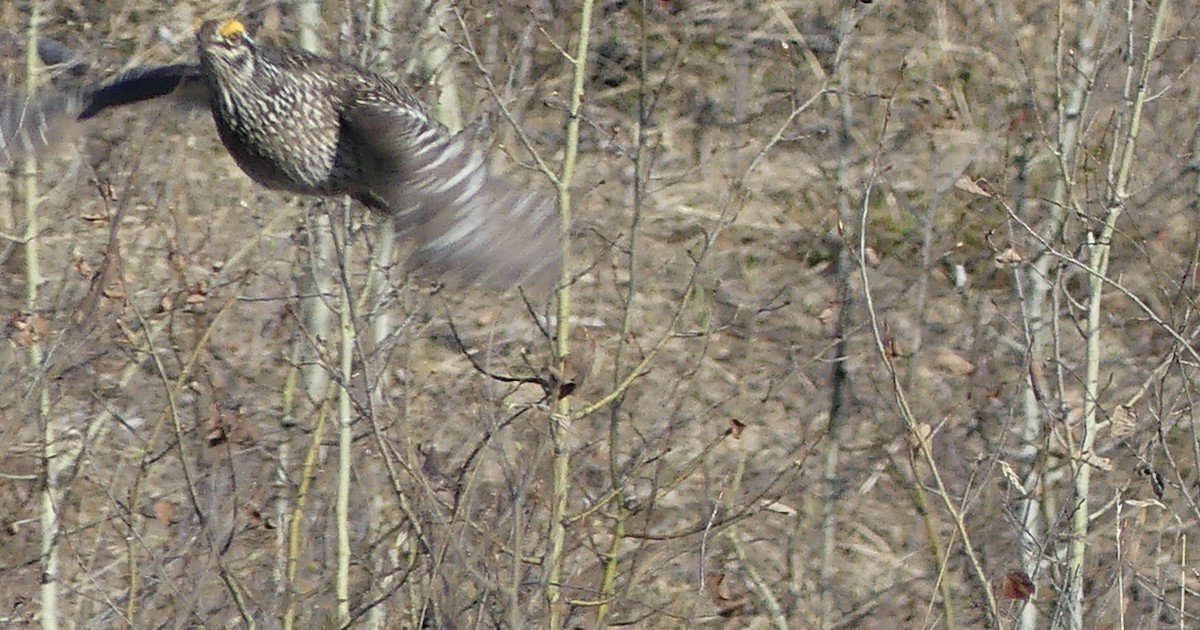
x=460, y=219
x=31, y=127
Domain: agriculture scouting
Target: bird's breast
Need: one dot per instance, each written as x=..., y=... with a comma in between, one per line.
x=286, y=136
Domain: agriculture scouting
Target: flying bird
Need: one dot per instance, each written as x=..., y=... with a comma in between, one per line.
x=305, y=123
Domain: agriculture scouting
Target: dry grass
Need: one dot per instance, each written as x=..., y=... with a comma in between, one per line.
x=201, y=273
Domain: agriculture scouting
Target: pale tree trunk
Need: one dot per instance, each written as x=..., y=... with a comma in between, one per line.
x=1038, y=305
x=560, y=428
x=315, y=266
x=379, y=287
x=54, y=463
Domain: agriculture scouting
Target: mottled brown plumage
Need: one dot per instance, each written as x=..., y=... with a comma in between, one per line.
x=309, y=124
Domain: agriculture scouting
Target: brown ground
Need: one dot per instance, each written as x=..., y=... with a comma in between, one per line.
x=168, y=313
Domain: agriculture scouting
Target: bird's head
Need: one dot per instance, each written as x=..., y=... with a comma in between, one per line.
x=226, y=49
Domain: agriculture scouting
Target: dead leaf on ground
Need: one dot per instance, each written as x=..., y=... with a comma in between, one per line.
x=728, y=605
x=953, y=362
x=777, y=507
x=919, y=437
x=894, y=348
x=1011, y=476
x=1124, y=422
x=197, y=295
x=1017, y=585
x=979, y=187
x=829, y=312
x=1100, y=462
x=114, y=293
x=82, y=267
x=1010, y=256
x=165, y=512
x=28, y=329
x=214, y=425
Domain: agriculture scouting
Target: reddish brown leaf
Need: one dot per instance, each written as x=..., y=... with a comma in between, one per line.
x=165, y=512
x=891, y=345
x=1017, y=585
x=728, y=605
x=197, y=295
x=712, y=586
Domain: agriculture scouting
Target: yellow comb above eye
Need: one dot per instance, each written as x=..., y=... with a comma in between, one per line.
x=229, y=28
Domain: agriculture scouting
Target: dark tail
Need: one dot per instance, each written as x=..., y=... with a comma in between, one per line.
x=144, y=84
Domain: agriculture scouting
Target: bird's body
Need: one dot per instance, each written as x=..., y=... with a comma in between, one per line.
x=306, y=92
x=314, y=125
